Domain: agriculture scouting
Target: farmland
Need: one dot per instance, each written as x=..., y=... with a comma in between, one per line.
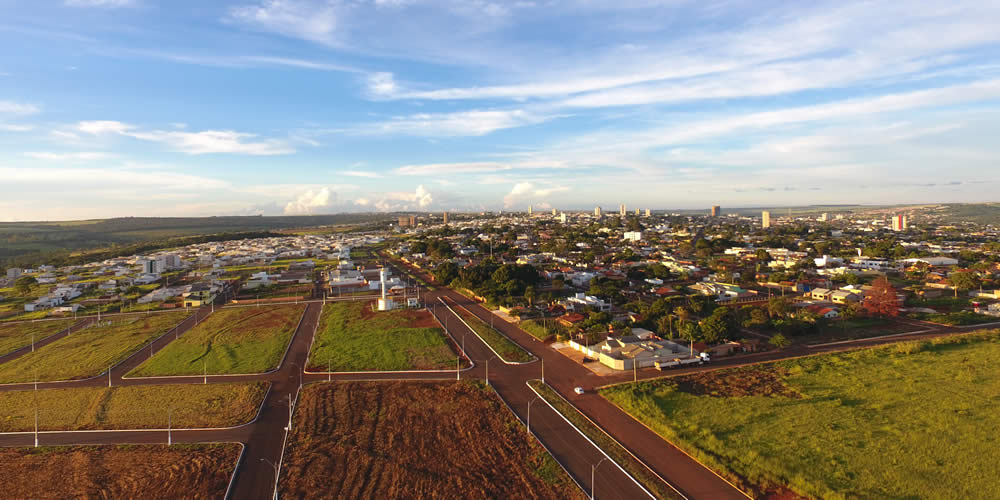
x=909, y=420
x=89, y=352
x=232, y=340
x=14, y=336
x=507, y=349
x=148, y=472
x=132, y=407
x=414, y=440
x=353, y=338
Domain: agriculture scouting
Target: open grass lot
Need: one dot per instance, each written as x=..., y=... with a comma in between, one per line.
x=506, y=348
x=132, y=407
x=89, y=352
x=855, y=328
x=148, y=472
x=916, y=419
x=414, y=440
x=14, y=336
x=351, y=337
x=543, y=329
x=605, y=442
x=231, y=340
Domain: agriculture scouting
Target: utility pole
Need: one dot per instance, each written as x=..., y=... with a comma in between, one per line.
x=458, y=367
x=109, y=376
x=204, y=372
x=32, y=342
x=543, y=370
x=289, y=413
x=593, y=470
x=36, y=427
x=169, y=425
x=528, y=421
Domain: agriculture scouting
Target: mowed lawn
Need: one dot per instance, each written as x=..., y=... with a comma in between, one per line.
x=353, y=338
x=911, y=420
x=89, y=352
x=14, y=336
x=231, y=340
x=132, y=407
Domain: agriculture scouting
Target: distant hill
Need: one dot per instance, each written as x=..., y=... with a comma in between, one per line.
x=25, y=243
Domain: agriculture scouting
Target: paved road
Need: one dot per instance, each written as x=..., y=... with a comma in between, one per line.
x=264, y=437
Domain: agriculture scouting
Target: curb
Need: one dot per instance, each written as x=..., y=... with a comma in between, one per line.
x=592, y=443
x=474, y=332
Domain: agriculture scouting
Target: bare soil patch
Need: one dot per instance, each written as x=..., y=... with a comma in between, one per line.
x=758, y=381
x=148, y=472
x=414, y=440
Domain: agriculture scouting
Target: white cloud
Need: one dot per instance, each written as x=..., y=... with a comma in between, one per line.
x=311, y=202
x=13, y=127
x=381, y=84
x=99, y=127
x=524, y=192
x=215, y=141
x=77, y=156
x=419, y=199
x=17, y=108
x=457, y=124
x=194, y=143
x=315, y=21
x=99, y=3
x=361, y=173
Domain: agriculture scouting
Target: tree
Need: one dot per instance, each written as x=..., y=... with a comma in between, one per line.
x=779, y=341
x=963, y=279
x=777, y=307
x=446, y=272
x=530, y=295
x=714, y=328
x=881, y=300
x=24, y=283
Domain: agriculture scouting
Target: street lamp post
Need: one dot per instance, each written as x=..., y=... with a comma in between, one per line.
x=204, y=372
x=109, y=375
x=528, y=421
x=458, y=368
x=170, y=439
x=36, y=427
x=593, y=470
x=543, y=370
x=275, y=476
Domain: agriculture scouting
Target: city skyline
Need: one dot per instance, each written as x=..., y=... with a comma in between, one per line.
x=131, y=107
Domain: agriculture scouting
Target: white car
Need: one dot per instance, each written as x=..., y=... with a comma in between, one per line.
x=578, y=390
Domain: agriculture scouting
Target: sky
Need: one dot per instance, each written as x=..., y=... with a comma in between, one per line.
x=244, y=107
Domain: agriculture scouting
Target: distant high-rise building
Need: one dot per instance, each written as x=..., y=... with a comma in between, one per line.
x=562, y=217
x=621, y=210
x=530, y=210
x=899, y=223
x=413, y=221
x=823, y=217
x=445, y=217
x=648, y=212
x=637, y=212
x=554, y=212
x=404, y=221
x=597, y=212
x=765, y=219
x=716, y=210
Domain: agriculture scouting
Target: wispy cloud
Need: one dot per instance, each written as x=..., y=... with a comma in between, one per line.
x=193, y=143
x=457, y=124
x=371, y=174
x=17, y=108
x=100, y=3
x=315, y=21
x=75, y=156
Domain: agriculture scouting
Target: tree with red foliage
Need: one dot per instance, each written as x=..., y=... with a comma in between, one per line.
x=881, y=300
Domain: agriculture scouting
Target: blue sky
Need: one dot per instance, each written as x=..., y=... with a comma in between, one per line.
x=138, y=107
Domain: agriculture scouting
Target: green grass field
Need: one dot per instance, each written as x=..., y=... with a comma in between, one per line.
x=543, y=329
x=231, y=340
x=351, y=338
x=916, y=419
x=506, y=348
x=89, y=352
x=14, y=336
x=132, y=407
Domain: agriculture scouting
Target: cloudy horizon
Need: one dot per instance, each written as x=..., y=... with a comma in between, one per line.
x=142, y=108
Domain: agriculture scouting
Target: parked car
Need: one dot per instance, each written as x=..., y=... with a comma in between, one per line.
x=578, y=390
